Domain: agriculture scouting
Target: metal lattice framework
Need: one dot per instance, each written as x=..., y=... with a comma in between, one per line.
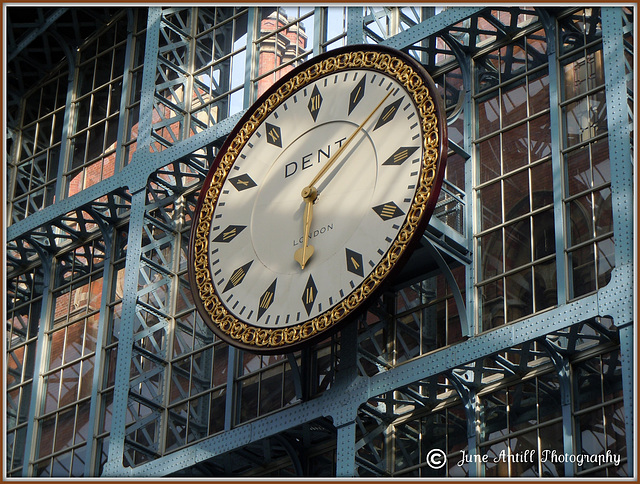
x=346, y=405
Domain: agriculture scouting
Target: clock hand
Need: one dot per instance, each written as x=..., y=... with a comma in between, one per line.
x=310, y=193
x=303, y=254
x=332, y=160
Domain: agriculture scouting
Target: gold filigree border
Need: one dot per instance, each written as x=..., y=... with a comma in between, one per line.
x=262, y=338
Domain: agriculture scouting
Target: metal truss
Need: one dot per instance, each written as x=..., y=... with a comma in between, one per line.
x=156, y=193
x=388, y=413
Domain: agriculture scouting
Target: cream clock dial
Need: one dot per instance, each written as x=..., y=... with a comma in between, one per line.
x=315, y=197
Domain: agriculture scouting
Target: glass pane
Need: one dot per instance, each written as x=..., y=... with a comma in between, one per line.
x=517, y=239
x=64, y=429
x=488, y=117
x=491, y=252
x=546, y=285
x=82, y=422
x=582, y=267
x=491, y=300
x=606, y=261
x=541, y=185
x=177, y=424
x=550, y=441
x=57, y=348
x=489, y=152
x=522, y=406
x=515, y=148
x=544, y=242
x=74, y=340
x=512, y=61
x=600, y=160
x=179, y=386
x=578, y=170
x=540, y=137
x=455, y=171
x=220, y=365
x=456, y=429
x=487, y=71
x=514, y=104
x=538, y=93
x=519, y=295
x=603, y=212
x=597, y=113
x=616, y=435
x=581, y=219
x=591, y=436
x=86, y=382
x=587, y=381
x=77, y=469
x=611, y=374
x=496, y=465
x=52, y=383
x=454, y=326
x=574, y=78
x=408, y=336
x=217, y=416
x=516, y=195
x=199, y=413
x=549, y=399
x=523, y=450
x=576, y=122
x=490, y=206
x=70, y=384
x=271, y=390
x=248, y=393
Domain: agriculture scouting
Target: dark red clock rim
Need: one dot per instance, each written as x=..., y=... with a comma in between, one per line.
x=421, y=226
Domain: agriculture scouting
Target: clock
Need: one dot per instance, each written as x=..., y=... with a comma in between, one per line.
x=316, y=197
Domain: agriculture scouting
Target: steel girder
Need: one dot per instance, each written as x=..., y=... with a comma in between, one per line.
x=614, y=24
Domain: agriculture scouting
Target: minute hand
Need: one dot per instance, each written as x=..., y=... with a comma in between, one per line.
x=332, y=160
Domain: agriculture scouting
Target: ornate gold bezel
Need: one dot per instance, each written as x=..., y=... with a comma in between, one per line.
x=262, y=338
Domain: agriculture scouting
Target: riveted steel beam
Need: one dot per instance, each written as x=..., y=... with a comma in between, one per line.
x=430, y=26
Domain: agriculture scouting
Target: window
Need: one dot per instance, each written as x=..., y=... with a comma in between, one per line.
x=427, y=316
x=585, y=150
x=35, y=170
x=63, y=421
x=97, y=102
x=24, y=302
x=515, y=232
x=520, y=423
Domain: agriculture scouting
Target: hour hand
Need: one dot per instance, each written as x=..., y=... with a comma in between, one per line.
x=304, y=253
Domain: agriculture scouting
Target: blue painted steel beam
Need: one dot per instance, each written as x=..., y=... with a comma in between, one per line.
x=430, y=26
x=557, y=164
x=114, y=467
x=38, y=367
x=622, y=194
x=251, y=60
x=114, y=464
x=148, y=87
x=355, y=25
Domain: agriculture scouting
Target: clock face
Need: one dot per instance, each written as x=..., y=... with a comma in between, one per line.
x=315, y=198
